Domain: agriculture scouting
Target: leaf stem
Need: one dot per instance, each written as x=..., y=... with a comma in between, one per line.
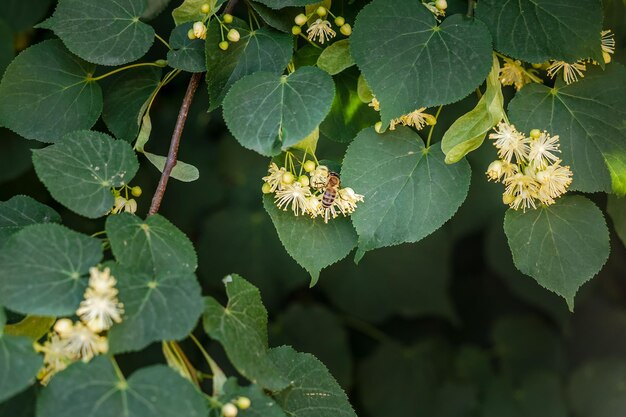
x=172, y=154
x=118, y=371
x=432, y=127
x=163, y=41
x=470, y=7
x=115, y=71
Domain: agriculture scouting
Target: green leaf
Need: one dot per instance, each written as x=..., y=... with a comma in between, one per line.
x=21, y=405
x=150, y=300
x=596, y=389
x=539, y=395
x=525, y=344
x=190, y=10
x=336, y=57
x=80, y=170
x=267, y=113
x=593, y=138
x=21, y=211
x=311, y=242
x=6, y=46
x=348, y=115
x=22, y=15
x=616, y=207
x=260, y=404
x=125, y=100
x=418, y=63
x=32, y=327
x=95, y=389
x=359, y=291
x=182, y=171
x=187, y=54
x=468, y=132
x=409, y=191
x=538, y=30
x=278, y=19
x=153, y=245
x=20, y=364
x=562, y=246
x=300, y=326
x=279, y=4
x=42, y=269
x=313, y=391
x=412, y=377
x=258, y=50
x=155, y=7
x=241, y=328
x=57, y=92
x=105, y=32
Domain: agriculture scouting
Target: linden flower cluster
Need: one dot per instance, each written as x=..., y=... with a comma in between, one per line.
x=321, y=29
x=528, y=167
x=303, y=193
x=571, y=72
x=514, y=73
x=82, y=340
x=231, y=409
x=125, y=204
x=417, y=118
x=199, y=28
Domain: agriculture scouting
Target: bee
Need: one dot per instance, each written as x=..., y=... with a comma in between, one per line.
x=331, y=189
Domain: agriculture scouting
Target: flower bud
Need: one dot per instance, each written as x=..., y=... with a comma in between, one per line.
x=206, y=8
x=430, y=119
x=495, y=170
x=267, y=188
x=296, y=30
x=229, y=410
x=63, y=326
x=288, y=178
x=233, y=35
x=339, y=21
x=607, y=57
x=378, y=127
x=346, y=29
x=535, y=133
x=136, y=191
x=321, y=11
x=191, y=35
x=300, y=19
x=199, y=29
x=441, y=4
x=223, y=45
x=228, y=18
x=303, y=180
x=243, y=402
x=309, y=166
x=507, y=198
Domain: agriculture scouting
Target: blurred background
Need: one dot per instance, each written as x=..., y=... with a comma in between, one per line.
x=441, y=328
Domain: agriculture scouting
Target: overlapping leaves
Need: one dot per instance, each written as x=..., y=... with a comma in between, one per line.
x=21, y=211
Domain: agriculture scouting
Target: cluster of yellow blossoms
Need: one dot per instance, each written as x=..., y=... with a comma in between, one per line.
x=82, y=340
x=437, y=7
x=528, y=167
x=124, y=203
x=199, y=28
x=514, y=73
x=417, y=118
x=303, y=192
x=321, y=29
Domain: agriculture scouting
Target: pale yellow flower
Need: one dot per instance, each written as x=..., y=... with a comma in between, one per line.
x=274, y=177
x=319, y=177
x=608, y=45
x=199, y=30
x=514, y=73
x=571, y=72
x=346, y=200
x=320, y=30
x=375, y=104
x=123, y=204
x=55, y=357
x=295, y=195
x=542, y=150
x=510, y=143
x=82, y=343
x=98, y=311
x=554, y=181
x=499, y=169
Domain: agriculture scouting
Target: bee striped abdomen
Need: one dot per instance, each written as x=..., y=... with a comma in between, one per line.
x=329, y=198
x=330, y=192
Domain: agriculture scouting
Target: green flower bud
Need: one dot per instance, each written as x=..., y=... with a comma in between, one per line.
x=206, y=8
x=378, y=127
x=309, y=166
x=340, y=21
x=288, y=178
x=233, y=35
x=300, y=19
x=266, y=188
x=346, y=29
x=229, y=410
x=535, y=133
x=441, y=4
x=223, y=45
x=296, y=30
x=243, y=403
x=136, y=191
x=321, y=11
x=304, y=180
x=228, y=18
x=191, y=35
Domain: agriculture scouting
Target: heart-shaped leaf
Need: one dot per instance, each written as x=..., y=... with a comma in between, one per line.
x=80, y=171
x=268, y=113
x=410, y=62
x=187, y=54
x=21, y=211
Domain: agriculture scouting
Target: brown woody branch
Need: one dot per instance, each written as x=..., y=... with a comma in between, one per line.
x=172, y=155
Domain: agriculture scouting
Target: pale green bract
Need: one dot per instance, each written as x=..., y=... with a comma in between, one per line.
x=80, y=170
x=105, y=32
x=325, y=243
x=592, y=137
x=409, y=191
x=336, y=57
x=57, y=92
x=95, y=389
x=269, y=113
x=410, y=62
x=241, y=328
x=562, y=246
x=43, y=268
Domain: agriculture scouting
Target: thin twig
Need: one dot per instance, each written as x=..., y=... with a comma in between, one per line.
x=470, y=7
x=230, y=6
x=172, y=155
